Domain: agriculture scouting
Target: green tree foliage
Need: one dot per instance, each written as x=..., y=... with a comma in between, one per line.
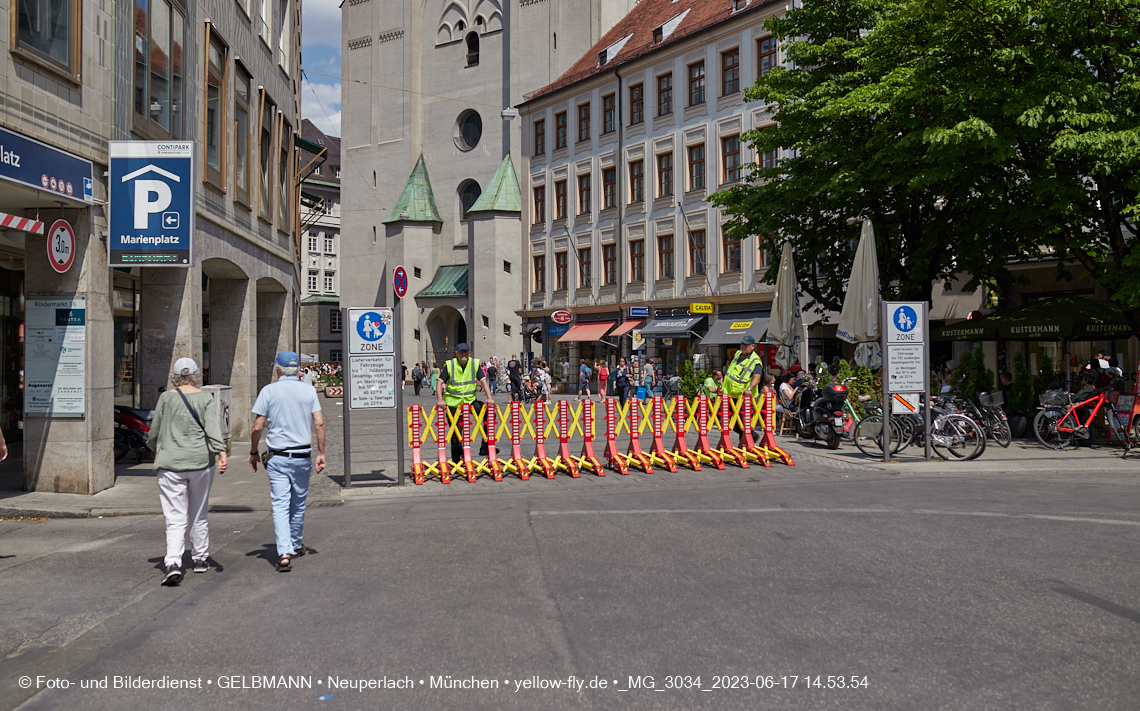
x=971, y=132
x=972, y=376
x=1020, y=399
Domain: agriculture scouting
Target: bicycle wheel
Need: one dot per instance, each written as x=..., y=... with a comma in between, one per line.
x=907, y=431
x=868, y=436
x=1118, y=431
x=957, y=437
x=1046, y=432
x=998, y=425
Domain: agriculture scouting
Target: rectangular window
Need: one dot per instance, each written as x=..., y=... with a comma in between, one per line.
x=506, y=330
x=561, y=261
x=766, y=55
x=263, y=31
x=313, y=243
x=506, y=266
x=665, y=94
x=284, y=36
x=636, y=104
x=330, y=244
x=334, y=320
x=265, y=158
x=609, y=188
x=609, y=113
x=540, y=204
x=334, y=356
x=637, y=260
x=730, y=158
x=583, y=122
x=313, y=280
x=665, y=175
x=215, y=131
x=560, y=199
x=697, y=167
x=764, y=259
x=730, y=72
x=731, y=252
x=665, y=257
x=540, y=137
x=560, y=129
x=696, y=84
x=585, y=267
x=583, y=194
x=284, y=176
x=698, y=253
x=768, y=159
x=241, y=135
x=540, y=274
x=159, y=41
x=609, y=264
x=329, y=285
x=637, y=181
x=49, y=30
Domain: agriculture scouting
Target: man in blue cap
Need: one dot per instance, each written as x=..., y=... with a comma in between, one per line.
x=460, y=377
x=292, y=411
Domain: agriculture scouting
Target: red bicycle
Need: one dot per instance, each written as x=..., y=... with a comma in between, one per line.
x=1059, y=420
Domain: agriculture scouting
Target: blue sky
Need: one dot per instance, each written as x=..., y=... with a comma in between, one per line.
x=320, y=52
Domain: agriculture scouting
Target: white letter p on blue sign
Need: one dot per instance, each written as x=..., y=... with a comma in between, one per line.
x=144, y=206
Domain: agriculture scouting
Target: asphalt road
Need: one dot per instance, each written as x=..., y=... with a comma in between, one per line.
x=963, y=591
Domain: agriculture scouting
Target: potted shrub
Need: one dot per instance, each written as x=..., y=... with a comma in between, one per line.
x=1020, y=401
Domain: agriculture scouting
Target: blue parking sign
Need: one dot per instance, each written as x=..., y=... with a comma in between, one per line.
x=151, y=191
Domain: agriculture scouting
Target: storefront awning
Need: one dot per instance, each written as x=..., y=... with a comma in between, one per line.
x=670, y=326
x=625, y=328
x=587, y=331
x=729, y=329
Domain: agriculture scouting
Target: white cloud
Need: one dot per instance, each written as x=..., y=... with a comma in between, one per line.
x=320, y=103
x=320, y=22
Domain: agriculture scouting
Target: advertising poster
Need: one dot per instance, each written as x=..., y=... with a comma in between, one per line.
x=55, y=356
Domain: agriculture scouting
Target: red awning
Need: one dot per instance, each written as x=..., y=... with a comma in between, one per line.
x=587, y=331
x=625, y=328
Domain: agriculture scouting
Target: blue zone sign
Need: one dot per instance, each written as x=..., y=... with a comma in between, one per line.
x=151, y=188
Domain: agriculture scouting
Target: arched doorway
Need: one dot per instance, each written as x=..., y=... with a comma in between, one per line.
x=446, y=328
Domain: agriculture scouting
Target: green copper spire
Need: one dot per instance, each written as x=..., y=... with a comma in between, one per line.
x=417, y=202
x=502, y=193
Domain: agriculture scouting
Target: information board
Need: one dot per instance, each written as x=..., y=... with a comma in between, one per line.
x=370, y=331
x=906, y=341
x=151, y=194
x=55, y=356
x=372, y=382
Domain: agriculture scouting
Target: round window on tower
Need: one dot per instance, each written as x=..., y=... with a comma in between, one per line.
x=468, y=130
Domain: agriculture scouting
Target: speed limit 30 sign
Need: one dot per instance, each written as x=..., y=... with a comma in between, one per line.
x=61, y=246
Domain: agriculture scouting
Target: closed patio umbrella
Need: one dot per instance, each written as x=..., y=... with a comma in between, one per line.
x=859, y=320
x=786, y=325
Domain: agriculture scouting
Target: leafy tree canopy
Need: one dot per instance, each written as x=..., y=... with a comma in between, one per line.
x=971, y=132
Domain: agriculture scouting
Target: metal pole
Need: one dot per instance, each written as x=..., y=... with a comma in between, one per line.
x=346, y=397
x=886, y=383
x=401, y=417
x=926, y=378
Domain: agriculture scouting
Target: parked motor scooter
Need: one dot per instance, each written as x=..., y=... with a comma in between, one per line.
x=820, y=411
x=132, y=429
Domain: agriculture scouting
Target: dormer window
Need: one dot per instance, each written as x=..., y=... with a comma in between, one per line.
x=658, y=35
x=603, y=57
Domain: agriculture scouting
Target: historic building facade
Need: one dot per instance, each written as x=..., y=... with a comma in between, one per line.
x=321, y=330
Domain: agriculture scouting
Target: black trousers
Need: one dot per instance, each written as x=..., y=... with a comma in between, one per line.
x=457, y=439
x=516, y=389
x=417, y=383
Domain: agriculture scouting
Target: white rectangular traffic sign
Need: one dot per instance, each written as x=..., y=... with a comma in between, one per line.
x=906, y=323
x=372, y=382
x=370, y=331
x=906, y=368
x=905, y=403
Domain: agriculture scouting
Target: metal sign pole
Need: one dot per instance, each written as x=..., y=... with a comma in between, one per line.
x=926, y=379
x=346, y=410
x=886, y=383
x=401, y=415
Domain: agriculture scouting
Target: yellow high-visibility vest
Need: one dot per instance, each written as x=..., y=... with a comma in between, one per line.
x=461, y=382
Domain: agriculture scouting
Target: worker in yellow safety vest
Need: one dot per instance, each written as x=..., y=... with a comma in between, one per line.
x=461, y=378
x=744, y=373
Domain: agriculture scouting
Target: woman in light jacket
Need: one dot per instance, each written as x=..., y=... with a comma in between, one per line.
x=185, y=436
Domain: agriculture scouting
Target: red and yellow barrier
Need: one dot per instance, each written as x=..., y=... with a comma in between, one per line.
x=565, y=419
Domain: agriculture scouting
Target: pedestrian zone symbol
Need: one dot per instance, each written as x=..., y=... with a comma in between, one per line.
x=905, y=319
x=372, y=326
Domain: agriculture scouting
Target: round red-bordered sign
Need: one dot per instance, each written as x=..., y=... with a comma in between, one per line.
x=562, y=317
x=61, y=246
x=400, y=282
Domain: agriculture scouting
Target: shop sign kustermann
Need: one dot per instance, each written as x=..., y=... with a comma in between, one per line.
x=151, y=187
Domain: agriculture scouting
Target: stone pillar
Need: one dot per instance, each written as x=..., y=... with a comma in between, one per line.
x=233, y=345
x=75, y=454
x=170, y=325
x=272, y=332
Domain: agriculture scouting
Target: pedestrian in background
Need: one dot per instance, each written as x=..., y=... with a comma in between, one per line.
x=434, y=376
x=621, y=381
x=403, y=374
x=292, y=411
x=185, y=436
x=603, y=380
x=417, y=378
x=584, y=373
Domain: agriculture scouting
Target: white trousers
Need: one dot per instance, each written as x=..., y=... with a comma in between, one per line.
x=185, y=500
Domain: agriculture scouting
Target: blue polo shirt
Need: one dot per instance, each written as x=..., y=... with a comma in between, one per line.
x=289, y=405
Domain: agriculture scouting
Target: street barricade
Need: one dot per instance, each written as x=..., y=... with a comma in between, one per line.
x=567, y=421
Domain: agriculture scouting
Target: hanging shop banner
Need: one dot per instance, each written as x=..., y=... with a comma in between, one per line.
x=151, y=188
x=38, y=165
x=55, y=356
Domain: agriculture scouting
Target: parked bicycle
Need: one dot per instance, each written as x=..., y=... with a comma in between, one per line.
x=990, y=416
x=953, y=435
x=1060, y=421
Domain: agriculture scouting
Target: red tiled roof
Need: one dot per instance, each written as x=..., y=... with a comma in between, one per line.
x=639, y=25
